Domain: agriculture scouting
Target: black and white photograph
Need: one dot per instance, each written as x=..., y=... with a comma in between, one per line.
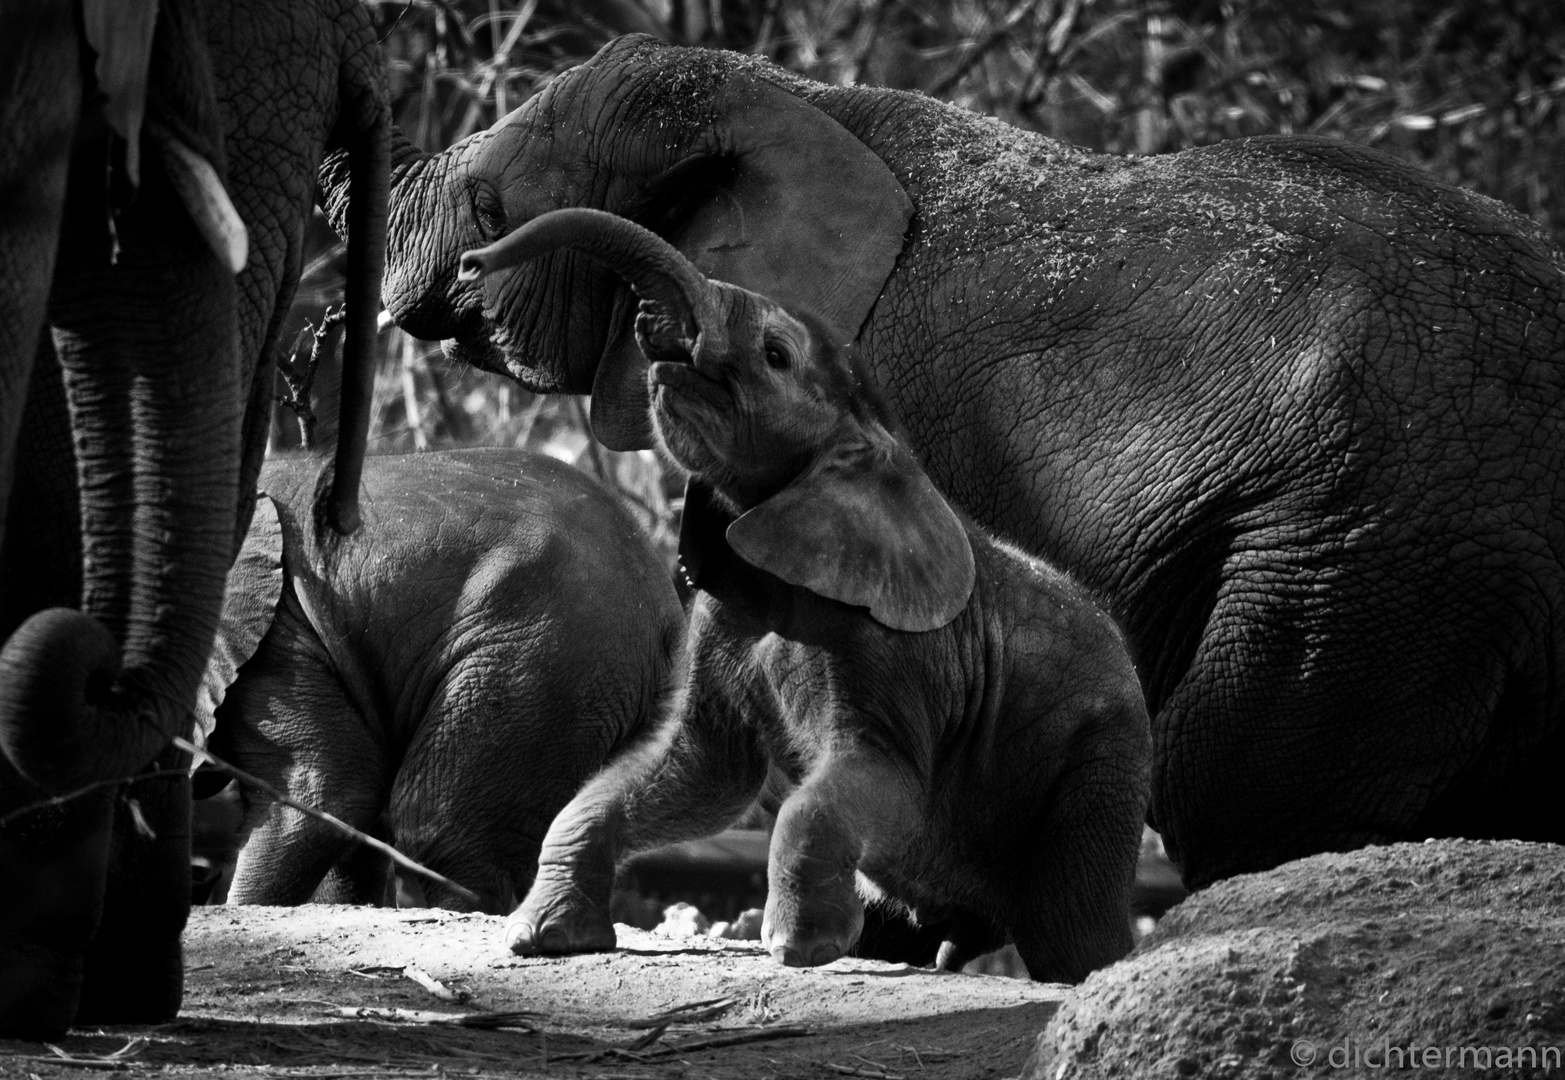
x=782, y=539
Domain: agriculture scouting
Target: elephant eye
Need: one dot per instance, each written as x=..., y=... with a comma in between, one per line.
x=488, y=211
x=776, y=356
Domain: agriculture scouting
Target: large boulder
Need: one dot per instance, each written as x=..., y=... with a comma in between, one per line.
x=1446, y=957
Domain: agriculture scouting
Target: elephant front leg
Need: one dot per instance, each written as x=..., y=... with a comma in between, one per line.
x=693, y=777
x=856, y=811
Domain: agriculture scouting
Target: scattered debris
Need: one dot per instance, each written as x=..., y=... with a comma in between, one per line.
x=877, y=1072
x=119, y=1059
x=521, y=1020
x=434, y=985
x=690, y=1013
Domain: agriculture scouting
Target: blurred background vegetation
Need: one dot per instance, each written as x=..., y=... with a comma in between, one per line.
x=1472, y=90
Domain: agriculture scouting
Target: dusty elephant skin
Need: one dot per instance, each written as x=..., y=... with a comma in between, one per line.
x=163, y=403
x=1441, y=958
x=1291, y=408
x=951, y=725
x=448, y=677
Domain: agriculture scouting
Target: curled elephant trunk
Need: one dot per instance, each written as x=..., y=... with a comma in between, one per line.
x=655, y=268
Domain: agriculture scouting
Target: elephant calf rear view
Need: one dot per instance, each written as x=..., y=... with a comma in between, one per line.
x=450, y=675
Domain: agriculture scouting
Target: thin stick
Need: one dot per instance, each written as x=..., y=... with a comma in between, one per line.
x=86, y=789
x=849, y=1070
x=335, y=822
x=790, y=1032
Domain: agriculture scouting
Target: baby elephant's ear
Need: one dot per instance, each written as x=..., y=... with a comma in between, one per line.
x=865, y=527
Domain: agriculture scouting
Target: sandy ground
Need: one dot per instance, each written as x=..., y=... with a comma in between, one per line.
x=326, y=991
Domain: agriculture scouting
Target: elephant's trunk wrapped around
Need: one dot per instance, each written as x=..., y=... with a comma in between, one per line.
x=655, y=268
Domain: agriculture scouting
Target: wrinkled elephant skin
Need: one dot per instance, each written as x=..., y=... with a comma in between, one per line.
x=447, y=678
x=1294, y=411
x=156, y=384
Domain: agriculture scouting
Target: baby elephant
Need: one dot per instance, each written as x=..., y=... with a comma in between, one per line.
x=447, y=677
x=956, y=727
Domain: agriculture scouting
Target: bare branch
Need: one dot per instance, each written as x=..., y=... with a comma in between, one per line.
x=335, y=822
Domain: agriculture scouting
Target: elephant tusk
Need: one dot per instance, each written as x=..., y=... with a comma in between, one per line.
x=205, y=199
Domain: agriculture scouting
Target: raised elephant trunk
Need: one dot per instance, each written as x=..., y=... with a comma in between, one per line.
x=658, y=272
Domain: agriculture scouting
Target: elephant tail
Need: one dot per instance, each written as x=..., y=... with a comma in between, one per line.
x=364, y=131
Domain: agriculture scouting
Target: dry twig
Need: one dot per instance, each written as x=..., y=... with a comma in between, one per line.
x=689, y=1013
x=521, y=1020
x=320, y=815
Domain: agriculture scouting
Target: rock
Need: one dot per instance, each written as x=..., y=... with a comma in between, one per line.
x=683, y=920
x=1339, y=963
x=745, y=927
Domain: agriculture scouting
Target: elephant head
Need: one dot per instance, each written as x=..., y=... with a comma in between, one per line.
x=765, y=406
x=710, y=162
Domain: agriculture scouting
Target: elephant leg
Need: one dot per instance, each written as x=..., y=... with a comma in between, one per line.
x=40, y=559
x=692, y=776
x=857, y=810
x=134, y=969
x=52, y=860
x=1312, y=718
x=1091, y=838
x=287, y=720
x=490, y=766
x=40, y=98
x=362, y=876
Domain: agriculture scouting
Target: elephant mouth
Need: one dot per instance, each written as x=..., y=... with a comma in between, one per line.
x=691, y=410
x=683, y=377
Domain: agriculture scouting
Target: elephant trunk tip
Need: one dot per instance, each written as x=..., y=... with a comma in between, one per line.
x=474, y=265
x=344, y=517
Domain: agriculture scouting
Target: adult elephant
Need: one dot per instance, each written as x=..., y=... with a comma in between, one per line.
x=161, y=416
x=1291, y=408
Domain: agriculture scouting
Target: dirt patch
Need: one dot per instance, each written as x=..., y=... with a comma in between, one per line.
x=278, y=992
x=1413, y=957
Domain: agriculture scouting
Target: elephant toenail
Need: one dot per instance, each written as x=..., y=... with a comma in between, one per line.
x=787, y=956
x=824, y=954
x=524, y=939
x=554, y=940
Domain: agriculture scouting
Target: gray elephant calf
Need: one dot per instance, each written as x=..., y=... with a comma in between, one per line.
x=957, y=726
x=447, y=677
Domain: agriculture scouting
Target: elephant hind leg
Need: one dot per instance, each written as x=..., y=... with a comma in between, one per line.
x=1332, y=707
x=287, y=720
x=361, y=876
x=287, y=855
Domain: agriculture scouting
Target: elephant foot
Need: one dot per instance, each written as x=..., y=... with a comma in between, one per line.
x=55, y=862
x=134, y=971
x=559, y=917
x=39, y=991
x=808, y=930
x=132, y=982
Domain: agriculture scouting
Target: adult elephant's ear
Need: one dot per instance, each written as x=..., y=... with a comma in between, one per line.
x=255, y=586
x=785, y=202
x=864, y=525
